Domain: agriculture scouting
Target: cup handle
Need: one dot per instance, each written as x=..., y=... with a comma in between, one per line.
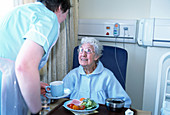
x=46, y=89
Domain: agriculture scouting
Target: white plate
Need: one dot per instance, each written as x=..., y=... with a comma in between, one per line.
x=66, y=93
x=79, y=111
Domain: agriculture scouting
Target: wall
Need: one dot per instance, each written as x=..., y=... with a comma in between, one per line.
x=123, y=9
x=160, y=9
x=114, y=9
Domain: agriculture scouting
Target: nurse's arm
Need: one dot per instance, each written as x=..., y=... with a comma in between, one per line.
x=26, y=68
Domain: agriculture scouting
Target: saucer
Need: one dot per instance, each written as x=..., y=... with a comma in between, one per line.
x=66, y=93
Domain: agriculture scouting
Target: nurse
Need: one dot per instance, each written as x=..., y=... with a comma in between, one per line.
x=91, y=79
x=27, y=35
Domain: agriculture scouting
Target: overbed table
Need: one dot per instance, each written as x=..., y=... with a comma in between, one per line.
x=58, y=109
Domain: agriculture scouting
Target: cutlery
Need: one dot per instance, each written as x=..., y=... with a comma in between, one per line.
x=85, y=113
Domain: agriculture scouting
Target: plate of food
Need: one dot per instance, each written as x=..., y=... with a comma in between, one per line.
x=82, y=105
x=66, y=93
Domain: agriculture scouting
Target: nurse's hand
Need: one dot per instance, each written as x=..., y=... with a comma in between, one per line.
x=43, y=85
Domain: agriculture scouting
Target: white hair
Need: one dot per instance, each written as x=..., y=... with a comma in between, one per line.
x=98, y=47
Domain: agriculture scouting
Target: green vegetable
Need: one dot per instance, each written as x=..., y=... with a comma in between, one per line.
x=89, y=103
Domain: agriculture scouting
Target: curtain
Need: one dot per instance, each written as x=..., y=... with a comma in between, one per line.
x=61, y=56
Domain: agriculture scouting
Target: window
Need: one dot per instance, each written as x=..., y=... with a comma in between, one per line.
x=6, y=6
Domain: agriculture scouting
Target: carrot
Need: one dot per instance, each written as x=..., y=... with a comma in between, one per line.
x=81, y=99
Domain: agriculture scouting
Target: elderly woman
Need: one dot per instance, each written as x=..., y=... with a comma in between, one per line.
x=91, y=79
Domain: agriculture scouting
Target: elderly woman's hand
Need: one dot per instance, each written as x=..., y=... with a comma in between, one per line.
x=43, y=85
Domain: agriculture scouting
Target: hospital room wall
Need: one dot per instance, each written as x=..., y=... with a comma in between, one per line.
x=123, y=9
